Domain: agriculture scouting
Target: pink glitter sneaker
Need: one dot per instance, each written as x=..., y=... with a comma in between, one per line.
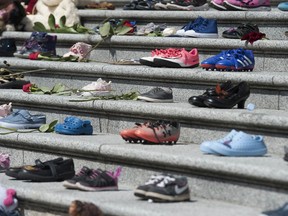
x=218, y=4
x=248, y=5
x=4, y=161
x=5, y=110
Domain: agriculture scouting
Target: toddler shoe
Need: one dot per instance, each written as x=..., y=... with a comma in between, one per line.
x=80, y=50
x=283, y=6
x=5, y=110
x=207, y=29
x=98, y=88
x=190, y=26
x=74, y=126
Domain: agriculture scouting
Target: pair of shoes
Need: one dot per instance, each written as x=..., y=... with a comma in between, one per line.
x=231, y=60
x=281, y=211
x=190, y=5
x=7, y=47
x=172, y=58
x=199, y=28
x=224, y=96
x=159, y=132
x=157, y=95
x=5, y=110
x=238, y=144
x=98, y=88
x=94, y=180
x=240, y=31
x=241, y=5
x=283, y=6
x=150, y=28
x=22, y=119
x=74, y=126
x=4, y=161
x=39, y=42
x=164, y=187
x=52, y=170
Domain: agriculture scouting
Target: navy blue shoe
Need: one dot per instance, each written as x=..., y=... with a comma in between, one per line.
x=207, y=29
x=190, y=26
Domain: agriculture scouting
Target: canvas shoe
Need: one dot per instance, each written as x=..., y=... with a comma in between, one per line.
x=80, y=50
x=241, y=145
x=5, y=110
x=207, y=29
x=149, y=61
x=218, y=4
x=170, y=189
x=104, y=180
x=190, y=26
x=239, y=60
x=190, y=5
x=82, y=174
x=22, y=119
x=157, y=95
x=248, y=5
x=182, y=59
x=210, y=63
x=39, y=42
x=98, y=88
x=160, y=132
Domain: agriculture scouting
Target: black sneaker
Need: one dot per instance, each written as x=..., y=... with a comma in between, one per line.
x=282, y=211
x=161, y=95
x=240, y=31
x=104, y=180
x=195, y=5
x=170, y=189
x=7, y=47
x=82, y=174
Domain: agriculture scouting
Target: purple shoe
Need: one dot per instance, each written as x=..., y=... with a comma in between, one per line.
x=248, y=5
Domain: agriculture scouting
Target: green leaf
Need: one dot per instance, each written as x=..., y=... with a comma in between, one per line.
x=38, y=26
x=59, y=87
x=44, y=128
x=51, y=21
x=52, y=126
x=62, y=21
x=105, y=30
x=45, y=89
x=124, y=30
x=70, y=30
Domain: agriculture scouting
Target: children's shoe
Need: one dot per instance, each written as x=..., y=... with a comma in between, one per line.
x=129, y=133
x=283, y=6
x=39, y=42
x=182, y=59
x=80, y=50
x=4, y=161
x=218, y=4
x=103, y=181
x=240, y=31
x=241, y=144
x=157, y=95
x=170, y=189
x=190, y=5
x=248, y=5
x=82, y=174
x=7, y=47
x=160, y=132
x=190, y=26
x=98, y=88
x=211, y=62
x=5, y=110
x=239, y=60
x=207, y=29
x=22, y=119
x=74, y=126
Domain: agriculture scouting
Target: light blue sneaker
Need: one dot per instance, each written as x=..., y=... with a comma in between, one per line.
x=205, y=147
x=242, y=144
x=22, y=119
x=283, y=6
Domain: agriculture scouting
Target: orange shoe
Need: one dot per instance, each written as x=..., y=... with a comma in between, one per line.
x=164, y=132
x=129, y=133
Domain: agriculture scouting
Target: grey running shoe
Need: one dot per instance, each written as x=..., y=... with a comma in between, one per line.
x=161, y=95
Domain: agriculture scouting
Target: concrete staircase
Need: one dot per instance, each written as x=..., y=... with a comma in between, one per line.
x=219, y=185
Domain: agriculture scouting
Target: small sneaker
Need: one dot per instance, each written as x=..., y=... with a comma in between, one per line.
x=190, y=26
x=283, y=6
x=149, y=61
x=98, y=88
x=128, y=134
x=218, y=4
x=103, y=181
x=160, y=132
x=22, y=119
x=5, y=110
x=239, y=60
x=80, y=50
x=157, y=95
x=207, y=29
x=182, y=59
x=4, y=161
x=171, y=189
x=240, y=31
x=190, y=5
x=82, y=174
x=248, y=5
x=241, y=144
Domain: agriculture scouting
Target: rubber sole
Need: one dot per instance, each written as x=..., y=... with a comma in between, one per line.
x=217, y=6
x=155, y=100
x=140, y=193
x=86, y=188
x=162, y=197
x=38, y=178
x=170, y=64
x=232, y=153
x=71, y=132
x=20, y=126
x=187, y=8
x=148, y=63
x=202, y=35
x=69, y=185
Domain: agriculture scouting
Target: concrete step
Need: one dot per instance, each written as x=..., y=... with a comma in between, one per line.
x=210, y=177
x=198, y=124
x=272, y=23
x=270, y=54
x=268, y=90
x=48, y=197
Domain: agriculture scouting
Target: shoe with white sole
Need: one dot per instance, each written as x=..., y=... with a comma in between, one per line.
x=207, y=29
x=160, y=95
x=98, y=88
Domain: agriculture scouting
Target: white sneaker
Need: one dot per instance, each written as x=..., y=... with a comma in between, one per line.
x=98, y=88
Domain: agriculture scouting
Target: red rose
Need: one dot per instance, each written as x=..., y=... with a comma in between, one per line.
x=26, y=88
x=34, y=56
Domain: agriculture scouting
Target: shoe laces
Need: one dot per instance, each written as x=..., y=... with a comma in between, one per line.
x=155, y=179
x=166, y=181
x=83, y=171
x=202, y=26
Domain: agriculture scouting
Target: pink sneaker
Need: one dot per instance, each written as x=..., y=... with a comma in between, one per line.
x=5, y=110
x=81, y=50
x=248, y=5
x=218, y=4
x=178, y=59
x=4, y=161
x=149, y=61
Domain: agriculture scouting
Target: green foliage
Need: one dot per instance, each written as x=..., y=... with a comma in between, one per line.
x=107, y=29
x=59, y=89
x=48, y=128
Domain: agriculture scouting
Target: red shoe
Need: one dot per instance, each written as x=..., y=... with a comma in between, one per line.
x=129, y=133
x=165, y=132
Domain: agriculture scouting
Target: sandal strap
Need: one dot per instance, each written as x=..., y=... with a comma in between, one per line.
x=52, y=167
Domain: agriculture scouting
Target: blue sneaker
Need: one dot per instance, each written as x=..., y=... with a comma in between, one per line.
x=22, y=119
x=190, y=26
x=207, y=29
x=205, y=146
x=74, y=126
x=283, y=6
x=239, y=60
x=211, y=62
x=241, y=144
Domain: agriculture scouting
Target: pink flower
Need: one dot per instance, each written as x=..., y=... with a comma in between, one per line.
x=26, y=88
